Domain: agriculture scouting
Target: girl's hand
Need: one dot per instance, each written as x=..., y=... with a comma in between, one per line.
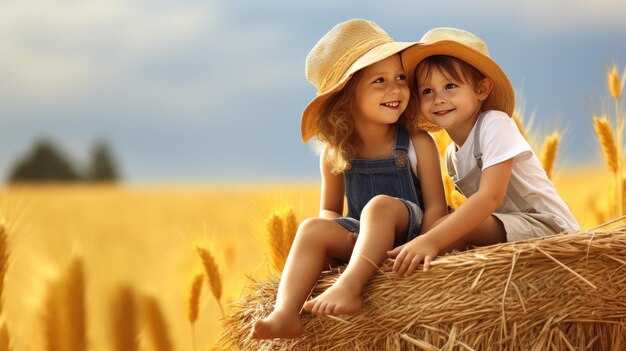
x=411, y=254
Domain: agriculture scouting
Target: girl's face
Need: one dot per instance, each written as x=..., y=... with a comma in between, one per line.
x=382, y=93
x=450, y=104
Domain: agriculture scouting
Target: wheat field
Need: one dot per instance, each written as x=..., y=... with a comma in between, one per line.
x=145, y=239
x=141, y=237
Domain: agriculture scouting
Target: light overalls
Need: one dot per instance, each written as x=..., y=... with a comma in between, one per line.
x=523, y=223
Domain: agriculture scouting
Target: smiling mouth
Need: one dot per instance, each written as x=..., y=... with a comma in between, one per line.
x=443, y=112
x=391, y=104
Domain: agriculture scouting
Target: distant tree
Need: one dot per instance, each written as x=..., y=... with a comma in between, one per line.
x=44, y=163
x=102, y=166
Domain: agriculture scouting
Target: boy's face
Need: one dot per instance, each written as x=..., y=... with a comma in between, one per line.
x=450, y=104
x=382, y=93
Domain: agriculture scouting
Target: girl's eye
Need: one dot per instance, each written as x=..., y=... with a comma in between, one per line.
x=401, y=77
x=451, y=86
x=380, y=80
x=427, y=91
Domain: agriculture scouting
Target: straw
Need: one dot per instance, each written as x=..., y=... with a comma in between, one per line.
x=564, y=292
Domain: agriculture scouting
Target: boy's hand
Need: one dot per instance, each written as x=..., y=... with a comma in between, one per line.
x=411, y=254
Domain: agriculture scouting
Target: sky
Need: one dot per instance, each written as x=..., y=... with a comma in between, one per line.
x=203, y=91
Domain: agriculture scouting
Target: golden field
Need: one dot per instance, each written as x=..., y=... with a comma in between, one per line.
x=146, y=238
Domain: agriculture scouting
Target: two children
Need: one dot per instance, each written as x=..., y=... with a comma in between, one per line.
x=377, y=152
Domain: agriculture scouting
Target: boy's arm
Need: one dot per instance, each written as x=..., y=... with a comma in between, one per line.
x=479, y=206
x=331, y=191
x=429, y=173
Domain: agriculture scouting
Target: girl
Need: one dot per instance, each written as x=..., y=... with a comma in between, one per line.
x=509, y=197
x=370, y=147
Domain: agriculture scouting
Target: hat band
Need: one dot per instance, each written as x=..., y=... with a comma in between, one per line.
x=335, y=73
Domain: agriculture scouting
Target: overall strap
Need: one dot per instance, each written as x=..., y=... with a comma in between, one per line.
x=402, y=141
x=401, y=148
x=478, y=154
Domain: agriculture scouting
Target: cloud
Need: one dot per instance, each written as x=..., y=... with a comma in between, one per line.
x=564, y=15
x=146, y=59
x=64, y=50
x=558, y=16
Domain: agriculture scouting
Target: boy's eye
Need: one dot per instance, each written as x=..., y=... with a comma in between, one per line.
x=380, y=80
x=401, y=77
x=451, y=86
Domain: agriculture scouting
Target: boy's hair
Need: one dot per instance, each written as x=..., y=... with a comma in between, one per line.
x=451, y=67
x=335, y=126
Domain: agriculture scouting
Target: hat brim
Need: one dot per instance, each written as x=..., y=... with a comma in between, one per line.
x=308, y=123
x=502, y=96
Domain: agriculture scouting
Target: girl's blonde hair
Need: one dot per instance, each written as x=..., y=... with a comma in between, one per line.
x=335, y=126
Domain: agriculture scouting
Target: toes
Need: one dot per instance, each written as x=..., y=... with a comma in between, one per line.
x=329, y=308
x=321, y=307
x=316, y=306
x=308, y=306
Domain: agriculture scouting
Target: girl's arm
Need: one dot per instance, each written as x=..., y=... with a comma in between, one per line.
x=331, y=192
x=429, y=173
x=479, y=206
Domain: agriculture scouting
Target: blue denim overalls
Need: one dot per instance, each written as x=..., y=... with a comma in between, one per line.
x=366, y=178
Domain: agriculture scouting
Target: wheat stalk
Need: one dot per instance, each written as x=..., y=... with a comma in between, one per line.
x=64, y=315
x=612, y=155
x=74, y=306
x=194, y=304
x=213, y=275
x=615, y=84
x=605, y=135
x=194, y=297
x=124, y=320
x=5, y=342
x=281, y=231
x=156, y=325
x=290, y=227
x=275, y=240
x=615, y=88
x=4, y=259
x=52, y=318
x=548, y=152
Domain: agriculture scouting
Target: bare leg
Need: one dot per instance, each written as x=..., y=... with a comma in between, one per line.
x=490, y=231
x=316, y=238
x=382, y=220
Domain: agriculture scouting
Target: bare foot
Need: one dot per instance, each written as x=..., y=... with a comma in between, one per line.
x=278, y=324
x=337, y=300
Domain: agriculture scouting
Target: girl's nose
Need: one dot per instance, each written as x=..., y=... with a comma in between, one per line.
x=439, y=99
x=397, y=86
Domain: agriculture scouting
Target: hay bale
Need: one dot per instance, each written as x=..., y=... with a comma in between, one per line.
x=565, y=292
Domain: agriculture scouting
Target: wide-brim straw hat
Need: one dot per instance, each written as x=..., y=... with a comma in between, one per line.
x=348, y=47
x=469, y=48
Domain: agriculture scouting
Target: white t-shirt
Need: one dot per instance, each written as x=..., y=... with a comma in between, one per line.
x=500, y=140
x=412, y=157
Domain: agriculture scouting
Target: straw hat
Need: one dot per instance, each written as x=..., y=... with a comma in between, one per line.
x=345, y=49
x=469, y=48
